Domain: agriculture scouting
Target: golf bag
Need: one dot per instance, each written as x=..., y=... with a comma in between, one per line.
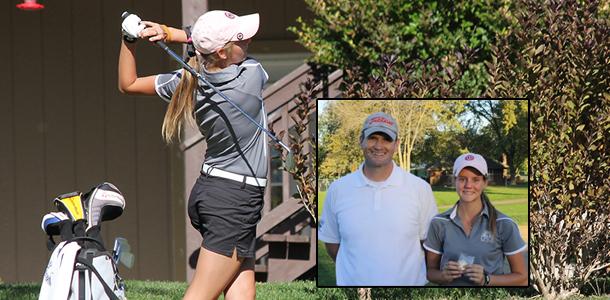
x=80, y=267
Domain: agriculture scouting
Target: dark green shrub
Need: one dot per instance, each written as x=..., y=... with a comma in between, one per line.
x=350, y=34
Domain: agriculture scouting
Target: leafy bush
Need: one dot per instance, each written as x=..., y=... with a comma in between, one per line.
x=350, y=34
x=434, y=77
x=559, y=57
x=299, y=163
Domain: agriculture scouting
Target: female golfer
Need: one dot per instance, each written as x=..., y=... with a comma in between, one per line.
x=225, y=203
x=467, y=244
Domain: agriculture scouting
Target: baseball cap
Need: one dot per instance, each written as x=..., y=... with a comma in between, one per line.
x=470, y=160
x=216, y=28
x=380, y=122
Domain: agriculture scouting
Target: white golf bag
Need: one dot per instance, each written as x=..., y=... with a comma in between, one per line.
x=75, y=273
x=80, y=267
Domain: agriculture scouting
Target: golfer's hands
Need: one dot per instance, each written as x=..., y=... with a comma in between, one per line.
x=154, y=32
x=475, y=273
x=131, y=27
x=451, y=271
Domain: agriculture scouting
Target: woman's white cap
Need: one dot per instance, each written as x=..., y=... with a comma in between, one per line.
x=216, y=28
x=470, y=160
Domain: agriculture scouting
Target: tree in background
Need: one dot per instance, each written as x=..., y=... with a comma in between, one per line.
x=559, y=57
x=506, y=126
x=440, y=148
x=416, y=118
x=357, y=34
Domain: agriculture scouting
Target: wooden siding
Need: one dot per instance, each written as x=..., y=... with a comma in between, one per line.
x=65, y=127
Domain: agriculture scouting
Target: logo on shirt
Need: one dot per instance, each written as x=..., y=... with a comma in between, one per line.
x=486, y=237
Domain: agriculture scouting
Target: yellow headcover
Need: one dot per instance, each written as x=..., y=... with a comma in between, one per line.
x=72, y=205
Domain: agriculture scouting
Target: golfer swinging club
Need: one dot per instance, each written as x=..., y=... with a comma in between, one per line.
x=225, y=203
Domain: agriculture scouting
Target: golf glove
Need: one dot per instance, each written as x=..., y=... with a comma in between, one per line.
x=131, y=27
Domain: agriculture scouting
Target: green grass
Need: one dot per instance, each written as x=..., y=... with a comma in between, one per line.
x=153, y=290
x=321, y=198
x=326, y=267
x=162, y=290
x=447, y=197
x=516, y=211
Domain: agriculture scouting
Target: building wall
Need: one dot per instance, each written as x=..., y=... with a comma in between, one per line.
x=65, y=127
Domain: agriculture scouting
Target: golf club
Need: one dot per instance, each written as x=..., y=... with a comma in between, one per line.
x=122, y=252
x=177, y=58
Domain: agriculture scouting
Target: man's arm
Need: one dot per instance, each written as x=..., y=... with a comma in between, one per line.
x=332, y=250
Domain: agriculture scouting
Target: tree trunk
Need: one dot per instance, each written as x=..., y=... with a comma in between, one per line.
x=364, y=294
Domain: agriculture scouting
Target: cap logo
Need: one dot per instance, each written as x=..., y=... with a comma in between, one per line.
x=240, y=36
x=229, y=15
x=381, y=120
x=469, y=157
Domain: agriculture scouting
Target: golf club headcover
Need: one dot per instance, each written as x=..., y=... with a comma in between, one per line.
x=53, y=221
x=72, y=205
x=56, y=223
x=131, y=26
x=104, y=202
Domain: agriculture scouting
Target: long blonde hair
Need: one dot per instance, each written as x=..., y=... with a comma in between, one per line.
x=181, y=109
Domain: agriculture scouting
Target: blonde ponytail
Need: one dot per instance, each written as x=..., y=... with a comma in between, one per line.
x=181, y=107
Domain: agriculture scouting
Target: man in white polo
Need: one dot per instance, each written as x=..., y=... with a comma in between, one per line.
x=375, y=219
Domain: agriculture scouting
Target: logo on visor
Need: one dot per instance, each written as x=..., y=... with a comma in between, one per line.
x=469, y=157
x=229, y=15
x=240, y=36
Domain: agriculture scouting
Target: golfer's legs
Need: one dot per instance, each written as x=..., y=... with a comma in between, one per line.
x=243, y=285
x=214, y=271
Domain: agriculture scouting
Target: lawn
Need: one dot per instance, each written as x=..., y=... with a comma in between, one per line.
x=158, y=290
x=446, y=197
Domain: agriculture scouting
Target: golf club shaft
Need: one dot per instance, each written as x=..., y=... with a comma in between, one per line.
x=176, y=57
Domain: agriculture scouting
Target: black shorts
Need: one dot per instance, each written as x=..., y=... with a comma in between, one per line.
x=226, y=212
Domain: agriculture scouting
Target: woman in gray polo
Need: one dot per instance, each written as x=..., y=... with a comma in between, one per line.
x=467, y=244
x=226, y=201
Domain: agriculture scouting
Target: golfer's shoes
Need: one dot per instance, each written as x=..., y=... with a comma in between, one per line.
x=105, y=202
x=52, y=222
x=72, y=205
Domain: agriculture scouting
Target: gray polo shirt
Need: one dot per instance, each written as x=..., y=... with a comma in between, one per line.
x=234, y=144
x=447, y=238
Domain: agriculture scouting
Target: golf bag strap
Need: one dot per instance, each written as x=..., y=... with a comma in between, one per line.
x=81, y=284
x=51, y=243
x=99, y=244
x=109, y=292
